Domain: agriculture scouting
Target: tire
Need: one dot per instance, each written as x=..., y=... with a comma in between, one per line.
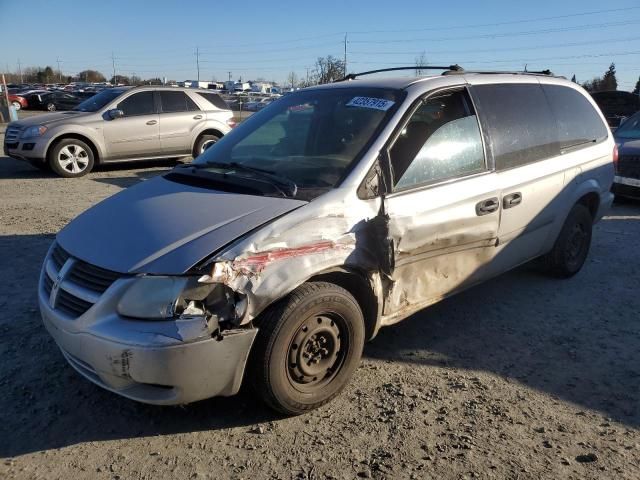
x=16, y=105
x=202, y=141
x=71, y=158
x=51, y=107
x=308, y=346
x=572, y=245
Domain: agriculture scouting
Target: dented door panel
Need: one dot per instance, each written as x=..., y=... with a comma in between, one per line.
x=440, y=244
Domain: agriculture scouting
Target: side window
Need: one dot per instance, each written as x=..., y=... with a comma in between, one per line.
x=442, y=140
x=176, y=102
x=519, y=123
x=138, y=104
x=577, y=120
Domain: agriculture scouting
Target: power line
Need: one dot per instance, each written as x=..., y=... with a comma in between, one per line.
x=497, y=24
x=502, y=35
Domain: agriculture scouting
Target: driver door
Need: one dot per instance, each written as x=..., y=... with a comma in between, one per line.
x=137, y=133
x=444, y=210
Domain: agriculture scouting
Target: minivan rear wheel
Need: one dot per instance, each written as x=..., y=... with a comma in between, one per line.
x=572, y=245
x=308, y=346
x=71, y=158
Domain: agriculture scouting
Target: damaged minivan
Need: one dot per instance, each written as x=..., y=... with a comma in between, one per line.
x=333, y=212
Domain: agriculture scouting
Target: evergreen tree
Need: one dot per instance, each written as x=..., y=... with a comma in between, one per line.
x=637, y=89
x=609, y=81
x=573, y=79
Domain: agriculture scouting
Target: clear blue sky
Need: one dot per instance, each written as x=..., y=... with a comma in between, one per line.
x=269, y=39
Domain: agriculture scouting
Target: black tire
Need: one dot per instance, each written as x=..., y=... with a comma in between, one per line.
x=308, y=346
x=51, y=107
x=64, y=164
x=203, y=140
x=572, y=245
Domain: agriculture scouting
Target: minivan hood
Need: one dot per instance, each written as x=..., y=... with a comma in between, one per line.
x=50, y=119
x=163, y=227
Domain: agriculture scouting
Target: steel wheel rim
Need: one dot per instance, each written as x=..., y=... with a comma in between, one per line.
x=51, y=107
x=317, y=351
x=203, y=147
x=73, y=158
x=576, y=244
x=16, y=105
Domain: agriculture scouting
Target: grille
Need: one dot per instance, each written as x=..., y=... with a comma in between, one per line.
x=80, y=277
x=629, y=166
x=12, y=134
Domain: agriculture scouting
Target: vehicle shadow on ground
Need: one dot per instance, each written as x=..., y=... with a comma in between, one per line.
x=568, y=345
x=18, y=170
x=571, y=344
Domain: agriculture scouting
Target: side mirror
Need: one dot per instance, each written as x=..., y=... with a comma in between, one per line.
x=115, y=113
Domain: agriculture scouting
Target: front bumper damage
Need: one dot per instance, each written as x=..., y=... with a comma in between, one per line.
x=158, y=362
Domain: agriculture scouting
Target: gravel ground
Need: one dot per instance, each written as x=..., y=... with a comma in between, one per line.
x=522, y=377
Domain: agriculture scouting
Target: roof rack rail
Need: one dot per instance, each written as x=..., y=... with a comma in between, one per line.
x=451, y=68
x=512, y=72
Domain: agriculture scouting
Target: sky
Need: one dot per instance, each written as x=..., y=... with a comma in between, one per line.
x=250, y=39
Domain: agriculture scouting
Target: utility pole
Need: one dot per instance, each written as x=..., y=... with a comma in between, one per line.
x=20, y=71
x=229, y=75
x=307, y=83
x=345, y=54
x=198, y=64
x=113, y=63
x=59, y=71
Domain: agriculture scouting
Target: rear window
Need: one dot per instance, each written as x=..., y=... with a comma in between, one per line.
x=577, y=120
x=214, y=99
x=519, y=123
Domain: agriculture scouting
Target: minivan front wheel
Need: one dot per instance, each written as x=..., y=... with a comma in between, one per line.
x=71, y=158
x=308, y=346
x=572, y=245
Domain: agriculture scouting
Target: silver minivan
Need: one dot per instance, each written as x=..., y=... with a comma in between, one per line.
x=121, y=124
x=333, y=212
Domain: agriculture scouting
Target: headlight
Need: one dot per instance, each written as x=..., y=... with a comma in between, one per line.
x=34, y=131
x=156, y=298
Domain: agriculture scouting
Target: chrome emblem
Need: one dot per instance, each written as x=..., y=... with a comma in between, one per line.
x=62, y=274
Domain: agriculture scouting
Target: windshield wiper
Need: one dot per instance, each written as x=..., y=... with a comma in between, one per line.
x=289, y=188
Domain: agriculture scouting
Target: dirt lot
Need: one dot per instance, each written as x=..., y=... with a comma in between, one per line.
x=522, y=377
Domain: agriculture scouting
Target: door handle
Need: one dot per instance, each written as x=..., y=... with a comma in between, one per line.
x=487, y=206
x=152, y=122
x=512, y=200
x=197, y=117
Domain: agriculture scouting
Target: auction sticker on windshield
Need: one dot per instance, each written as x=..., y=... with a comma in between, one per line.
x=370, y=102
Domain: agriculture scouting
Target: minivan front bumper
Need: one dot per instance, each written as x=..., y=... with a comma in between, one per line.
x=139, y=359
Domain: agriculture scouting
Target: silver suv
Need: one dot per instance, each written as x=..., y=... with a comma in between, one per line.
x=333, y=212
x=120, y=124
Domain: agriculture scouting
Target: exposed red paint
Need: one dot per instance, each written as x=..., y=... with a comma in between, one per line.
x=258, y=261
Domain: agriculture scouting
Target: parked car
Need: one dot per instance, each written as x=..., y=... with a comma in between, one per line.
x=18, y=101
x=257, y=105
x=121, y=124
x=56, y=100
x=617, y=105
x=627, y=179
x=336, y=211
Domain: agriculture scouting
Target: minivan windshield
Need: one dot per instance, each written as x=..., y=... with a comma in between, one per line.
x=96, y=102
x=307, y=140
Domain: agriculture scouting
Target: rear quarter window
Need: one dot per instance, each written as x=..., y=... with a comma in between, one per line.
x=214, y=99
x=518, y=121
x=578, y=122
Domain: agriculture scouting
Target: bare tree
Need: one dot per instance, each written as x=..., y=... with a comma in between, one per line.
x=328, y=69
x=421, y=61
x=292, y=80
